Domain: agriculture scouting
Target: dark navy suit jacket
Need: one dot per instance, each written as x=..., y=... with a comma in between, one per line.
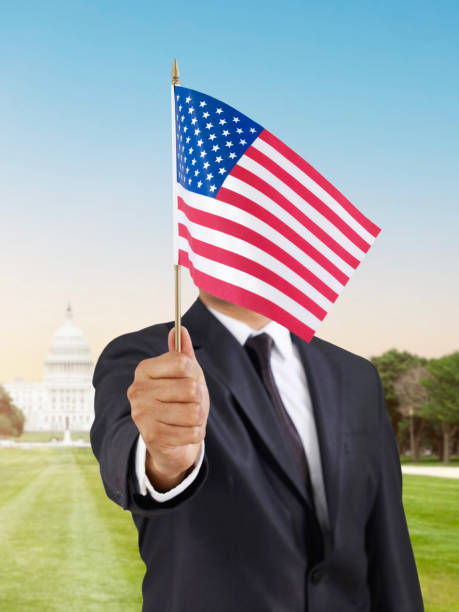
x=235, y=539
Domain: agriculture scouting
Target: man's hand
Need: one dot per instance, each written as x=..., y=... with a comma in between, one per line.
x=170, y=405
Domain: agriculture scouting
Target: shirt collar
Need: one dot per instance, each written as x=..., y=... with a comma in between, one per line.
x=241, y=331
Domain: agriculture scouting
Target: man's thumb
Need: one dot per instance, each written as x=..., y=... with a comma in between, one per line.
x=187, y=345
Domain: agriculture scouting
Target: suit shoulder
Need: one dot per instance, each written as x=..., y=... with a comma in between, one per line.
x=344, y=356
x=134, y=346
x=153, y=337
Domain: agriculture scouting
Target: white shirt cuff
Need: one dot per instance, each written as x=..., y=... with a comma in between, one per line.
x=144, y=484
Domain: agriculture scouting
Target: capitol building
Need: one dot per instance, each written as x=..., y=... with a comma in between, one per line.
x=65, y=396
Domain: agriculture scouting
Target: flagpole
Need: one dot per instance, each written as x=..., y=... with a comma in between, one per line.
x=177, y=268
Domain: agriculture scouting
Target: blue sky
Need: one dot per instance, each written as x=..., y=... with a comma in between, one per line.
x=367, y=92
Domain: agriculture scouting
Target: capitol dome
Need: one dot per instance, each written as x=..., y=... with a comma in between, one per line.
x=69, y=355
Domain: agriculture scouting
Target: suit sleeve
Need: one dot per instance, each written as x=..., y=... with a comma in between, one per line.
x=392, y=573
x=114, y=434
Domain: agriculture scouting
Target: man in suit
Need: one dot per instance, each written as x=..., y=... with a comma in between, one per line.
x=261, y=471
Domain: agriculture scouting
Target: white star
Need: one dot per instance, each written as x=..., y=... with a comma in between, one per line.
x=215, y=148
x=187, y=100
x=212, y=137
x=193, y=162
x=239, y=130
x=177, y=96
x=190, y=150
x=200, y=142
x=232, y=155
x=206, y=165
x=225, y=132
x=203, y=153
x=209, y=176
x=199, y=183
x=193, y=121
x=229, y=143
x=222, y=171
x=205, y=115
x=209, y=125
x=191, y=110
x=212, y=188
x=219, y=110
x=182, y=118
x=202, y=103
x=196, y=172
x=180, y=107
x=222, y=121
x=253, y=130
x=242, y=142
x=218, y=159
x=189, y=181
x=197, y=131
x=185, y=129
x=236, y=119
x=187, y=170
x=187, y=139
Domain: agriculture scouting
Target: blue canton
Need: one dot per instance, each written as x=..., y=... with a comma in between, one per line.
x=211, y=138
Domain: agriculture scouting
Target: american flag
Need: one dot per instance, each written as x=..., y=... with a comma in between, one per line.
x=254, y=222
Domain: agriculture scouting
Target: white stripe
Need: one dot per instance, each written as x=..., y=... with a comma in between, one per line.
x=232, y=213
x=310, y=184
x=246, y=281
x=301, y=204
x=240, y=186
x=241, y=247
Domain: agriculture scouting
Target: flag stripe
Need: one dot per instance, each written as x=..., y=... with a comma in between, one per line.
x=239, y=201
x=254, y=239
x=307, y=196
x=248, y=226
x=314, y=175
x=291, y=195
x=309, y=184
x=252, y=267
x=316, y=233
x=261, y=256
x=237, y=294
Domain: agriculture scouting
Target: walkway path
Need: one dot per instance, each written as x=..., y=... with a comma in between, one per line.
x=432, y=470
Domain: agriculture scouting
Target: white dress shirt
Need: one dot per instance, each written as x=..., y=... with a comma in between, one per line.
x=291, y=381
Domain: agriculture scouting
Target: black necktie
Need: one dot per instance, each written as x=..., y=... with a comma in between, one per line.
x=259, y=349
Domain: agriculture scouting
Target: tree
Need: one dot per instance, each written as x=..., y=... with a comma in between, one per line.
x=442, y=385
x=391, y=365
x=412, y=395
x=11, y=418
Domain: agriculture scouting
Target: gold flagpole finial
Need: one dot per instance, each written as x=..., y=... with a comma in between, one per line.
x=175, y=73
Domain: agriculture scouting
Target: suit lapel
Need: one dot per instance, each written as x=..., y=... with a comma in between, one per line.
x=220, y=354
x=327, y=393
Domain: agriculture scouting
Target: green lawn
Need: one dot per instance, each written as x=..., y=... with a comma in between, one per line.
x=66, y=546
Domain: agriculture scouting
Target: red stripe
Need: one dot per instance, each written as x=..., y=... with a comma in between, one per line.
x=248, y=235
x=268, y=190
x=236, y=199
x=240, y=262
x=303, y=165
x=308, y=196
x=247, y=299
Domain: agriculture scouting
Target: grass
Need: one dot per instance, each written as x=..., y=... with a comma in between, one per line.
x=431, y=460
x=431, y=506
x=66, y=546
